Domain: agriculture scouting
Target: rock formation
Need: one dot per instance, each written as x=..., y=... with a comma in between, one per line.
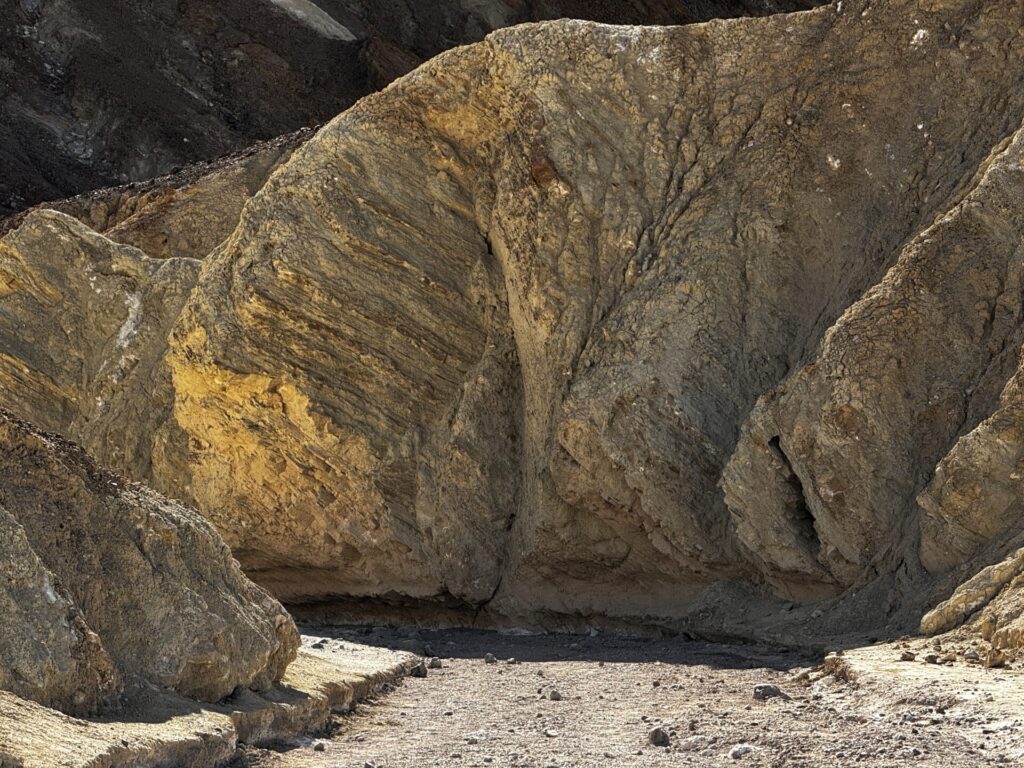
x=109, y=586
x=95, y=93
x=588, y=320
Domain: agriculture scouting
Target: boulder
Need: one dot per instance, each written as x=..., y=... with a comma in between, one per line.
x=110, y=568
x=49, y=654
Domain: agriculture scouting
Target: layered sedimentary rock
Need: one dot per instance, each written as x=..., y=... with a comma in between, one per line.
x=83, y=327
x=585, y=319
x=95, y=93
x=110, y=586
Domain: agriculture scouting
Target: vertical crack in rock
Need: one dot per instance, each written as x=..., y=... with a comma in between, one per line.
x=801, y=516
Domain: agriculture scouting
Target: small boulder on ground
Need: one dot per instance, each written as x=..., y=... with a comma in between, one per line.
x=659, y=737
x=740, y=750
x=765, y=691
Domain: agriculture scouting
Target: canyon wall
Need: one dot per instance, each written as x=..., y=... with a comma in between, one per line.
x=587, y=320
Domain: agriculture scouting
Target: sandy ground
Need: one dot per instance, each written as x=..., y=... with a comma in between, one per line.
x=611, y=693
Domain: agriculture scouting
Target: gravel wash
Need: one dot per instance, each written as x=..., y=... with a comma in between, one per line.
x=547, y=701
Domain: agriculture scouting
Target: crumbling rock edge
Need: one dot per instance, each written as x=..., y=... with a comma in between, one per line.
x=170, y=731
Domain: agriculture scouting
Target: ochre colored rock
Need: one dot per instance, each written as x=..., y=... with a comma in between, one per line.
x=629, y=256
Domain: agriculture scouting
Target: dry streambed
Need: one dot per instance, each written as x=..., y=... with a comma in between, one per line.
x=600, y=701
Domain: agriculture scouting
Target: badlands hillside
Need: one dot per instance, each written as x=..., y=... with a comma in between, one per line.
x=711, y=329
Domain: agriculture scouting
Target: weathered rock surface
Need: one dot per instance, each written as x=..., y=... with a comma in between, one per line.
x=94, y=93
x=49, y=653
x=588, y=319
x=625, y=304
x=83, y=326
x=109, y=581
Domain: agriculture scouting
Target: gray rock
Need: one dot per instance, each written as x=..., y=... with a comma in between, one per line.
x=740, y=750
x=765, y=691
x=659, y=737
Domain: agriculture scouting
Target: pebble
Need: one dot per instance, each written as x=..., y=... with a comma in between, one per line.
x=694, y=744
x=320, y=747
x=995, y=658
x=740, y=750
x=659, y=737
x=550, y=733
x=766, y=691
x=434, y=663
x=931, y=658
x=908, y=656
x=554, y=695
x=489, y=659
x=420, y=670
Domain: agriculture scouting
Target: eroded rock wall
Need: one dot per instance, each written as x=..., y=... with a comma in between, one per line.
x=97, y=93
x=588, y=319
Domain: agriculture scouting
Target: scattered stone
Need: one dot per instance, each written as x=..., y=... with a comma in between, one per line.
x=766, y=691
x=659, y=737
x=554, y=695
x=420, y=670
x=931, y=658
x=550, y=733
x=472, y=740
x=995, y=658
x=434, y=663
x=489, y=659
x=908, y=656
x=694, y=743
x=740, y=750
x=320, y=746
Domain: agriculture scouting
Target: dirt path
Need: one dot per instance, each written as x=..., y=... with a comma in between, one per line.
x=612, y=692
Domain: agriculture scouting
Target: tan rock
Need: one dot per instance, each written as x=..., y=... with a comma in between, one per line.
x=588, y=319
x=49, y=653
x=152, y=579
